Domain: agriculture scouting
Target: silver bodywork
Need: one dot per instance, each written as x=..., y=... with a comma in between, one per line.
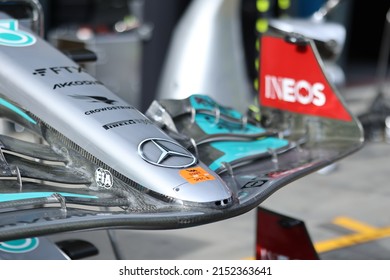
x=111, y=135
x=206, y=56
x=103, y=164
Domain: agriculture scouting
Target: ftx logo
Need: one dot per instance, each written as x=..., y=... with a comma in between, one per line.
x=58, y=70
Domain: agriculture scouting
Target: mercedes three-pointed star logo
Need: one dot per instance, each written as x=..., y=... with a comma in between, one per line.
x=165, y=153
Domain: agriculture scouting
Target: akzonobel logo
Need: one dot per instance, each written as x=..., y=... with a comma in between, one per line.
x=11, y=36
x=294, y=91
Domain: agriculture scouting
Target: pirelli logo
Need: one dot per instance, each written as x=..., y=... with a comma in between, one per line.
x=126, y=123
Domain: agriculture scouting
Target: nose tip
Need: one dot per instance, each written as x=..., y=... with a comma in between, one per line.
x=203, y=188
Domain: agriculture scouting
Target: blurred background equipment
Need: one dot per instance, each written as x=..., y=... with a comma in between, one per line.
x=114, y=31
x=357, y=60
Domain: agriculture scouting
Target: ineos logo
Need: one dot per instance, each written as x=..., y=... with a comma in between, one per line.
x=290, y=90
x=165, y=153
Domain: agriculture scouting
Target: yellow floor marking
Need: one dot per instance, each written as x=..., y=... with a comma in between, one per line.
x=364, y=234
x=353, y=225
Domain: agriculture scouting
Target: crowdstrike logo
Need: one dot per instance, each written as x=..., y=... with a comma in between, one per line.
x=294, y=91
x=11, y=36
x=165, y=153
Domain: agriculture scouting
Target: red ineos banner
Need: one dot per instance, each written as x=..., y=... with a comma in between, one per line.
x=279, y=237
x=292, y=79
